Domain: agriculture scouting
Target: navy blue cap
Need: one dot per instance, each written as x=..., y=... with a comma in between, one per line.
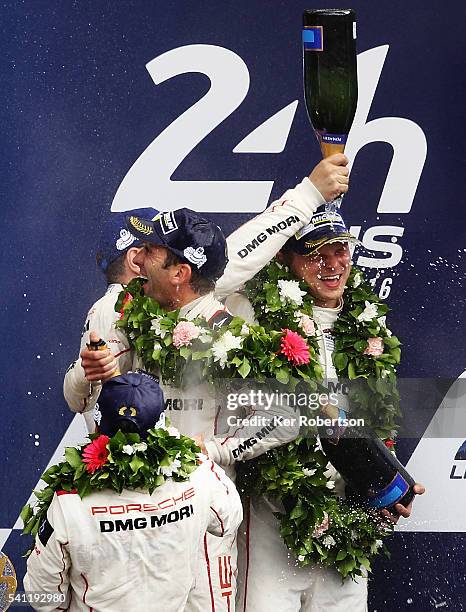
x=130, y=402
x=194, y=239
x=114, y=237
x=324, y=227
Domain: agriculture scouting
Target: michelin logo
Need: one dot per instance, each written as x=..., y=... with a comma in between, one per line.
x=125, y=240
x=195, y=256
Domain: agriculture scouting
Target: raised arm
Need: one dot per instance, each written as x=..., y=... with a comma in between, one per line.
x=256, y=242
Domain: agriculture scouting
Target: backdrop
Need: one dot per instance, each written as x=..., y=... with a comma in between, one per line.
x=199, y=104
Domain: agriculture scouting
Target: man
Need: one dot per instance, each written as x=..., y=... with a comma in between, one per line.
x=116, y=251
x=319, y=254
x=136, y=550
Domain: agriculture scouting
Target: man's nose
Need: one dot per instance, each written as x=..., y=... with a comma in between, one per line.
x=331, y=262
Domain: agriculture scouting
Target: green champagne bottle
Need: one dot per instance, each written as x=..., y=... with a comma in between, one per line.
x=330, y=75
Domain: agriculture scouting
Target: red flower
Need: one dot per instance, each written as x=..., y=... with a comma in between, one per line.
x=389, y=443
x=295, y=348
x=96, y=454
x=128, y=297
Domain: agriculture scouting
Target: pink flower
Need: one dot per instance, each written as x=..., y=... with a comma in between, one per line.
x=374, y=347
x=322, y=528
x=294, y=347
x=184, y=333
x=96, y=453
x=307, y=325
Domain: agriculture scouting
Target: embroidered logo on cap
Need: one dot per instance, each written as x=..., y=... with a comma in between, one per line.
x=125, y=240
x=195, y=256
x=141, y=226
x=168, y=222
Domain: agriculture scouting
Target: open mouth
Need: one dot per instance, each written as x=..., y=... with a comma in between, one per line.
x=331, y=281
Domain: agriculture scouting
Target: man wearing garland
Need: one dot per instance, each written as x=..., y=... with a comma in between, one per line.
x=134, y=549
x=319, y=255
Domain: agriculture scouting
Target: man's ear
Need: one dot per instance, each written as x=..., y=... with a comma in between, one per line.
x=181, y=274
x=130, y=255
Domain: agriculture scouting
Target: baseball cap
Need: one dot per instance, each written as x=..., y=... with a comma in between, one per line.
x=324, y=227
x=115, y=238
x=194, y=239
x=132, y=402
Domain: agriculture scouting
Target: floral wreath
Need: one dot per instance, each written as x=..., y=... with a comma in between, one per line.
x=122, y=461
x=318, y=526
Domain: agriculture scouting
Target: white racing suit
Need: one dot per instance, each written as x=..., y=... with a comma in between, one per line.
x=196, y=410
x=113, y=552
x=269, y=576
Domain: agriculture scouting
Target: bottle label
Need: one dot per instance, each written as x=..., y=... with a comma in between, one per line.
x=333, y=138
x=391, y=494
x=313, y=38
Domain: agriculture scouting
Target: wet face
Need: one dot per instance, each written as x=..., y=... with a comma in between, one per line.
x=325, y=271
x=159, y=286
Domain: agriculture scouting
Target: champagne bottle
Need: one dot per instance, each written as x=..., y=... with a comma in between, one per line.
x=330, y=75
x=366, y=464
x=100, y=345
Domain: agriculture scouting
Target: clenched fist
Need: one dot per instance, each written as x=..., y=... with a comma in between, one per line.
x=331, y=176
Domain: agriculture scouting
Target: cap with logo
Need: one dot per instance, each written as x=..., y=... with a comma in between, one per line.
x=115, y=238
x=132, y=402
x=191, y=237
x=324, y=227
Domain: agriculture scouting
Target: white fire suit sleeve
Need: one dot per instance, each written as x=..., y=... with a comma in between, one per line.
x=80, y=394
x=49, y=563
x=226, y=511
x=253, y=432
x=256, y=242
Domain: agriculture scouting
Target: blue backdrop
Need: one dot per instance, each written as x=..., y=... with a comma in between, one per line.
x=85, y=125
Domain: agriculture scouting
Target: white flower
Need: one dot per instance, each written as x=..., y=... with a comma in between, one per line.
x=171, y=469
x=357, y=280
x=172, y=431
x=244, y=330
x=128, y=449
x=378, y=544
x=290, y=291
x=382, y=321
x=225, y=343
x=369, y=312
x=328, y=541
x=330, y=484
x=308, y=472
x=155, y=327
x=301, y=557
x=140, y=446
x=157, y=346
